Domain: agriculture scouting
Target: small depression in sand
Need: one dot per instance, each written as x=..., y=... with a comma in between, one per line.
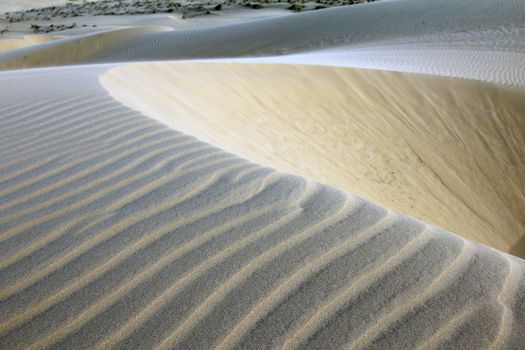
x=448, y=151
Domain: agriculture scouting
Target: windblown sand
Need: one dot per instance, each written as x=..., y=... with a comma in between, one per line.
x=447, y=151
x=119, y=232
x=76, y=49
x=25, y=41
x=475, y=39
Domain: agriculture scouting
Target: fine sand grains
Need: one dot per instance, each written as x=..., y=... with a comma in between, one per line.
x=475, y=39
x=448, y=151
x=117, y=232
x=26, y=40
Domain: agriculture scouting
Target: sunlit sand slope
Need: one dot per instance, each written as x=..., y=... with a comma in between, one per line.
x=116, y=231
x=448, y=151
x=505, y=67
x=76, y=49
x=27, y=40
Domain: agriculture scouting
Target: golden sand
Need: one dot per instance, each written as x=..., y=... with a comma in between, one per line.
x=448, y=151
x=25, y=41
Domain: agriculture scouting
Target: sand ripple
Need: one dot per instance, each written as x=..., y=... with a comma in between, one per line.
x=118, y=232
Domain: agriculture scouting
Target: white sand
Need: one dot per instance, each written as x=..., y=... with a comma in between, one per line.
x=119, y=232
x=477, y=39
x=76, y=49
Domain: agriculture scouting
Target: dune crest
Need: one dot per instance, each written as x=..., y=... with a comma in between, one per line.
x=474, y=39
x=447, y=151
x=27, y=40
x=118, y=232
x=244, y=176
x=74, y=50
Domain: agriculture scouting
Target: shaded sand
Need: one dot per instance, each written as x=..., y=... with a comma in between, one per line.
x=447, y=151
x=82, y=48
x=116, y=231
x=503, y=66
x=477, y=39
x=25, y=41
x=352, y=27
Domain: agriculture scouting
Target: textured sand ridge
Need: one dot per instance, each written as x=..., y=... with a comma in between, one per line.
x=189, y=204
x=119, y=232
x=28, y=40
x=475, y=39
x=447, y=151
x=81, y=48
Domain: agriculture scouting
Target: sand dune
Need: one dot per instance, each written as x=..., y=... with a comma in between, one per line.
x=75, y=49
x=26, y=40
x=505, y=67
x=189, y=204
x=447, y=151
x=352, y=26
x=474, y=39
x=119, y=232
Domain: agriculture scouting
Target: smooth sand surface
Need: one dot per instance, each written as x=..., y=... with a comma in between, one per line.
x=447, y=151
x=118, y=232
x=25, y=41
x=82, y=48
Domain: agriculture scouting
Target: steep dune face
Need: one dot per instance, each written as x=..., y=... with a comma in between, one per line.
x=118, y=232
x=79, y=49
x=447, y=151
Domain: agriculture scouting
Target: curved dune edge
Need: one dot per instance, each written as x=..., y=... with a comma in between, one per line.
x=447, y=151
x=117, y=231
x=27, y=40
x=74, y=50
x=474, y=39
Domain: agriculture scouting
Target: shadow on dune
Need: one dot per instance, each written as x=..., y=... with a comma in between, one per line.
x=518, y=249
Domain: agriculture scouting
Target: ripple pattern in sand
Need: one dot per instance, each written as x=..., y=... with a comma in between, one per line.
x=116, y=232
